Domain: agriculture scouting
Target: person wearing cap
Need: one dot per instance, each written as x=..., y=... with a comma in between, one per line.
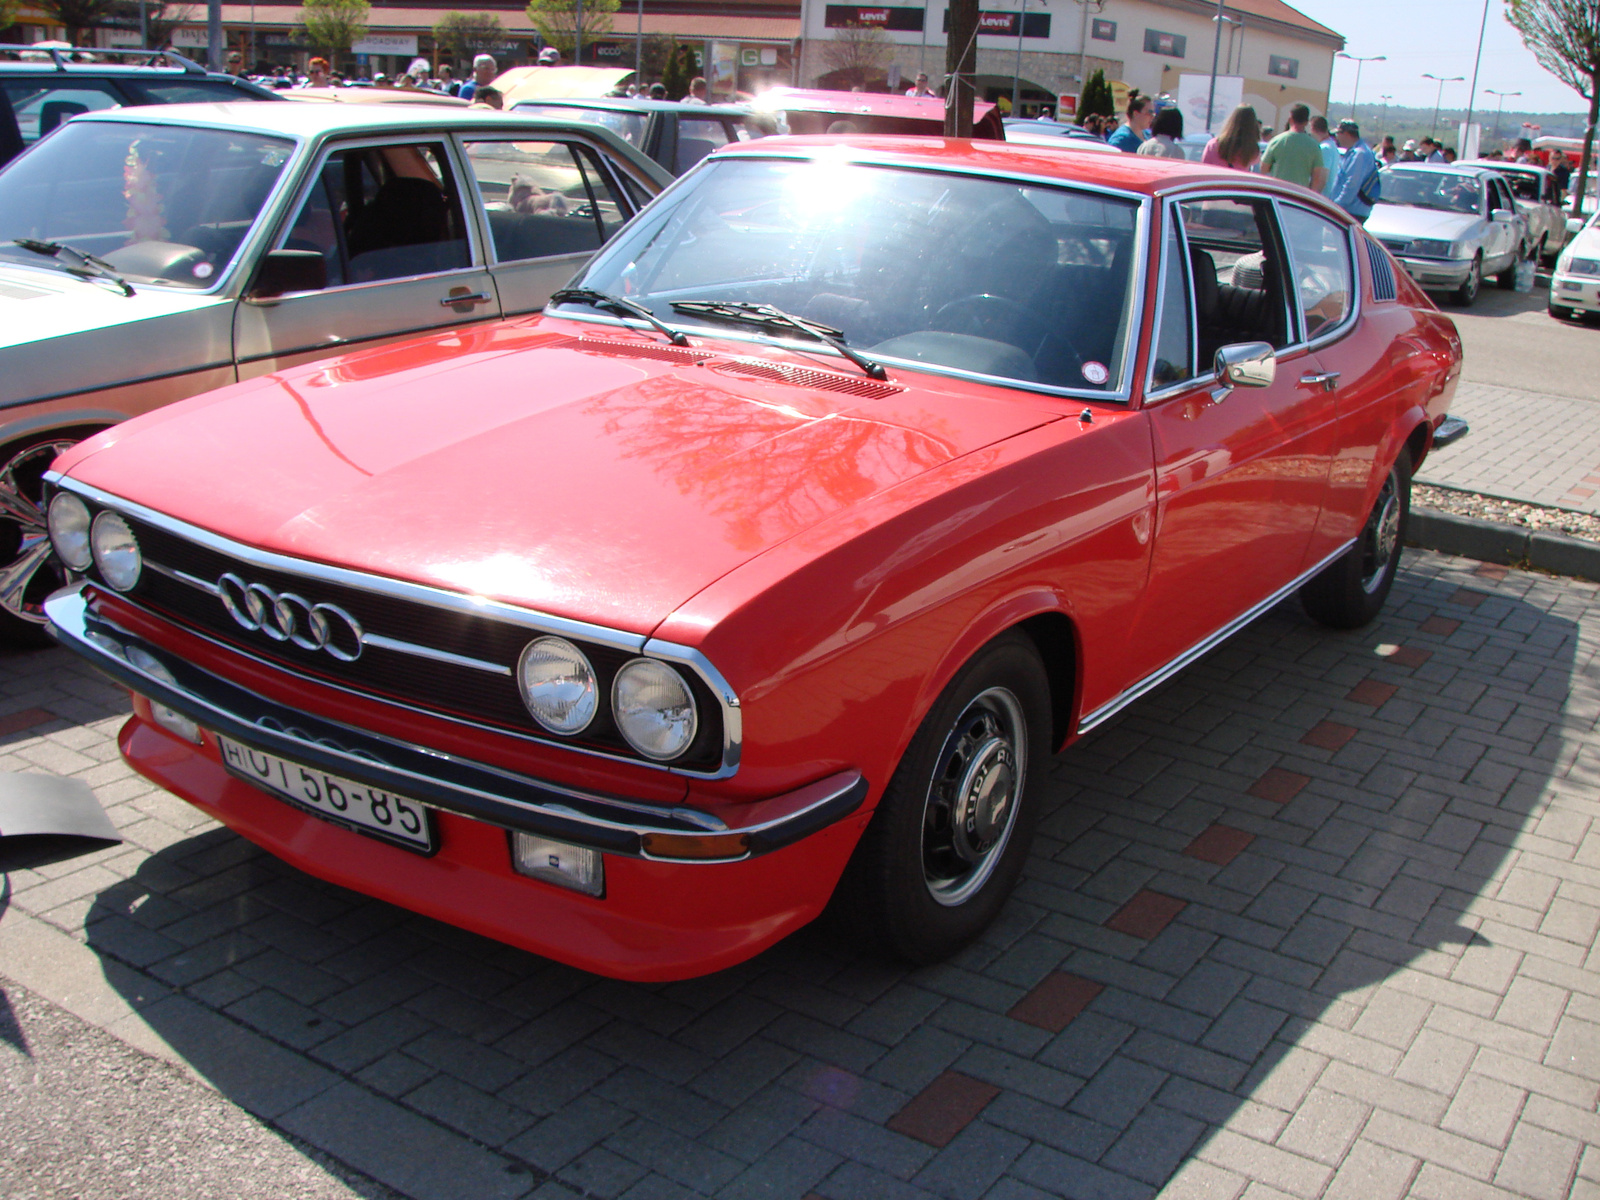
x=1357, y=166
x=484, y=69
x=1409, y=152
x=920, y=88
x=549, y=57
x=235, y=63
x=658, y=91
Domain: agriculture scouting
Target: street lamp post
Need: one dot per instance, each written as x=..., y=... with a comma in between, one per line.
x=1443, y=79
x=1016, y=78
x=1216, y=52
x=1383, y=121
x=1495, y=136
x=1359, y=60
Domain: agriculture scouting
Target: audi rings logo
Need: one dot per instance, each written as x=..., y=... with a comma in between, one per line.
x=286, y=617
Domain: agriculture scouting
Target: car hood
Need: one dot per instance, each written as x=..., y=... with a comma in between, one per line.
x=1403, y=221
x=38, y=305
x=1586, y=244
x=601, y=476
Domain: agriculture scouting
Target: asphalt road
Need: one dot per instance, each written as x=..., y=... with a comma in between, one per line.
x=1512, y=341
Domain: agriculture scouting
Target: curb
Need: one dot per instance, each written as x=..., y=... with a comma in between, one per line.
x=1489, y=541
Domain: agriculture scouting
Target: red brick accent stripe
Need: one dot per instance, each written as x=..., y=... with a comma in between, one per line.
x=944, y=1108
x=1371, y=691
x=26, y=719
x=1220, y=844
x=1054, y=1003
x=1278, y=785
x=1146, y=915
x=1326, y=735
x=1439, y=626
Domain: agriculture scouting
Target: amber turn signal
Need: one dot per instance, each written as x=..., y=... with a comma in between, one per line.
x=696, y=845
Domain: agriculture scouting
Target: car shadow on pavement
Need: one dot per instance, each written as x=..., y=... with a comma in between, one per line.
x=1271, y=892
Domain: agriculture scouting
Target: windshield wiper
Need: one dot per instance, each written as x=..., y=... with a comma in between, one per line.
x=620, y=305
x=84, y=266
x=746, y=313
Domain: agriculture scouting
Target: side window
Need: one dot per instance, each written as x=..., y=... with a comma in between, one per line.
x=696, y=139
x=543, y=198
x=1320, y=253
x=1238, y=273
x=1171, y=358
x=40, y=107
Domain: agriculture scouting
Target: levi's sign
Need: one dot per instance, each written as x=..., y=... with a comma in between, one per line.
x=842, y=16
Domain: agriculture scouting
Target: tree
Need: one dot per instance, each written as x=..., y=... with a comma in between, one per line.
x=81, y=17
x=1564, y=36
x=1096, y=96
x=333, y=26
x=858, y=54
x=682, y=65
x=8, y=12
x=657, y=50
x=463, y=36
x=558, y=21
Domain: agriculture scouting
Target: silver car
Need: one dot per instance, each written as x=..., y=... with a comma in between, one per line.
x=148, y=254
x=1534, y=190
x=1450, y=226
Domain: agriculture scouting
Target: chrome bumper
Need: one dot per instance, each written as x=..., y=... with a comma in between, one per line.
x=483, y=792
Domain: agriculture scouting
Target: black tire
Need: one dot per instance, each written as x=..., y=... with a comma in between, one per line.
x=1507, y=279
x=1468, y=291
x=1349, y=592
x=926, y=879
x=1559, y=311
x=29, y=571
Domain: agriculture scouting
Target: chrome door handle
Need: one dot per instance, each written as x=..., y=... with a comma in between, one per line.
x=466, y=298
x=1326, y=378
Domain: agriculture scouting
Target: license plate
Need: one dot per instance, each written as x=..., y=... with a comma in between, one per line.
x=365, y=809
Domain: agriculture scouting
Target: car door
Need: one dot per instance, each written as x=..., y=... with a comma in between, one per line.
x=548, y=204
x=1503, y=235
x=400, y=256
x=1241, y=473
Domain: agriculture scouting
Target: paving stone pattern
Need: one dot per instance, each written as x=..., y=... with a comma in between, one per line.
x=1317, y=919
x=1523, y=446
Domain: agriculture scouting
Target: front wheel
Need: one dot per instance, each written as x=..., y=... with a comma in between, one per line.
x=952, y=831
x=1468, y=291
x=29, y=571
x=1350, y=591
x=1559, y=311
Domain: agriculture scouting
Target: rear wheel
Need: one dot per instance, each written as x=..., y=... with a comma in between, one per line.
x=29, y=571
x=1507, y=279
x=1468, y=291
x=952, y=831
x=1559, y=311
x=1350, y=591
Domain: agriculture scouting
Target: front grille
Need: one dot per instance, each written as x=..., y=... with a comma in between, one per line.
x=450, y=689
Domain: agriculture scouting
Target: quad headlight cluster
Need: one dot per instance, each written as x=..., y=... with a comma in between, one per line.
x=651, y=704
x=103, y=540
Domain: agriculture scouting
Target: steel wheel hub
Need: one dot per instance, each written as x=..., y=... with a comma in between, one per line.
x=27, y=570
x=972, y=799
x=1382, y=535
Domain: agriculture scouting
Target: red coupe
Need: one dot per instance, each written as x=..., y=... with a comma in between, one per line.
x=769, y=566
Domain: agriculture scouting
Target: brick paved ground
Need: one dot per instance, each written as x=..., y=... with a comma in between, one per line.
x=1318, y=919
x=1524, y=446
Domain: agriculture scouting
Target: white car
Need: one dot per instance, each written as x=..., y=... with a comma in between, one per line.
x=1534, y=190
x=1575, y=284
x=1450, y=226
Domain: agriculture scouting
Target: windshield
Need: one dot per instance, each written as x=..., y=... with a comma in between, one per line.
x=1022, y=282
x=161, y=204
x=626, y=125
x=1444, y=191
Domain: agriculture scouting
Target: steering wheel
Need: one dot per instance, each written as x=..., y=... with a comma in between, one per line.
x=998, y=318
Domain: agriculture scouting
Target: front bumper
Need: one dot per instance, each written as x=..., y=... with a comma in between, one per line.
x=1437, y=274
x=724, y=892
x=1580, y=292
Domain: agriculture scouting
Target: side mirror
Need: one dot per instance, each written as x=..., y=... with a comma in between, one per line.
x=284, y=271
x=1504, y=215
x=1247, y=364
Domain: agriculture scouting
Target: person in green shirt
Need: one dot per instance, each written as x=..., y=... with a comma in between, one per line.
x=1294, y=154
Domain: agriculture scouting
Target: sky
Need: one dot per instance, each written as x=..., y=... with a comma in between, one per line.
x=1441, y=37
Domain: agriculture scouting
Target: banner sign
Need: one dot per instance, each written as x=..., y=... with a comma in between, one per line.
x=386, y=43
x=840, y=16
x=1004, y=24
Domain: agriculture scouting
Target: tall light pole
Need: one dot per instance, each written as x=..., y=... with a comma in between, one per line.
x=1016, y=78
x=1383, y=121
x=1216, y=51
x=1359, y=60
x=1472, y=91
x=1498, y=106
x=1443, y=79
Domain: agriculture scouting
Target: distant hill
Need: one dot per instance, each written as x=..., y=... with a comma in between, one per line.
x=1406, y=122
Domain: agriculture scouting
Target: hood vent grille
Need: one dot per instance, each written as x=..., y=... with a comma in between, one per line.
x=807, y=377
x=639, y=350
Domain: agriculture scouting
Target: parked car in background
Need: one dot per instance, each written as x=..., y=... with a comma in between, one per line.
x=1575, y=282
x=1054, y=136
x=811, y=110
x=676, y=135
x=151, y=253
x=39, y=89
x=770, y=565
x=1450, y=226
x=1534, y=190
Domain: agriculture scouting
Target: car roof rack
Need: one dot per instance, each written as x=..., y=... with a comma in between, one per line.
x=63, y=56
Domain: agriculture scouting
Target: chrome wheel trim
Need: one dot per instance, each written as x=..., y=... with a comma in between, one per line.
x=1381, y=536
x=21, y=507
x=970, y=808
x=1475, y=279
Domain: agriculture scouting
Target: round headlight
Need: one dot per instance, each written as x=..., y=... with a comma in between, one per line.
x=116, y=551
x=69, y=530
x=558, y=685
x=654, y=708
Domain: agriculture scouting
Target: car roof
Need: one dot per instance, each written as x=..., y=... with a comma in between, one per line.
x=1490, y=164
x=637, y=104
x=1455, y=168
x=1136, y=173
x=877, y=104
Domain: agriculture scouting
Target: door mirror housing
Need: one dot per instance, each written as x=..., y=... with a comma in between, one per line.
x=284, y=271
x=1502, y=215
x=1247, y=364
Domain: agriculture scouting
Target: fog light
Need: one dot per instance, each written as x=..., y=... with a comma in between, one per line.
x=168, y=719
x=560, y=863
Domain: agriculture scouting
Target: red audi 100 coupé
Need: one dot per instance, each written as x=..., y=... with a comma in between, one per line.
x=770, y=565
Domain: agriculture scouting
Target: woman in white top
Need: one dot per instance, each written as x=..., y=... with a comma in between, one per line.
x=1165, y=131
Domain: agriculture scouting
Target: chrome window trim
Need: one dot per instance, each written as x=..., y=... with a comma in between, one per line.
x=1151, y=393
x=1345, y=326
x=453, y=602
x=491, y=255
x=1201, y=648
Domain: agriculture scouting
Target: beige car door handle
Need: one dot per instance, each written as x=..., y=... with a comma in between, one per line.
x=1326, y=378
x=465, y=298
